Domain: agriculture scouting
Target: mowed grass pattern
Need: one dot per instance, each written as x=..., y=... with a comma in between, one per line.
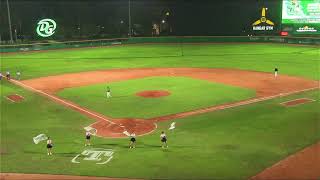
x=186, y=94
x=290, y=59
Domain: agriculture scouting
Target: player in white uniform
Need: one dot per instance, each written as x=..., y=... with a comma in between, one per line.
x=18, y=75
x=276, y=72
x=88, y=137
x=163, y=138
x=8, y=75
x=108, y=92
x=49, y=146
x=132, y=141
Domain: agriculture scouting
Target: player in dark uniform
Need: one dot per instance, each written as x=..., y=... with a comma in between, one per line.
x=8, y=75
x=49, y=146
x=88, y=137
x=108, y=92
x=132, y=141
x=276, y=72
x=163, y=138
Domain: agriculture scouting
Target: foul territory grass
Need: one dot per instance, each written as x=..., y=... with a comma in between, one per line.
x=289, y=59
x=229, y=144
x=186, y=94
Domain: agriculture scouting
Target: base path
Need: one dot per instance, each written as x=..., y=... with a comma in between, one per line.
x=265, y=84
x=304, y=165
x=16, y=176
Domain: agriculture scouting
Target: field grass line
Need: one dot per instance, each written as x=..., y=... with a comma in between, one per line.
x=285, y=160
x=227, y=106
x=60, y=100
x=10, y=99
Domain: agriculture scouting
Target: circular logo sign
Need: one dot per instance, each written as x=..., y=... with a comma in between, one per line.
x=46, y=27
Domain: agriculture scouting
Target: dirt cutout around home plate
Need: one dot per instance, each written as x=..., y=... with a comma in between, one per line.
x=296, y=102
x=15, y=98
x=153, y=93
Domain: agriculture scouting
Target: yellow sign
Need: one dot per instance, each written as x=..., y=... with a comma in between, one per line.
x=258, y=25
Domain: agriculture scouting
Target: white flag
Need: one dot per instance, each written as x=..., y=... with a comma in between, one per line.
x=126, y=133
x=92, y=131
x=39, y=138
x=172, y=126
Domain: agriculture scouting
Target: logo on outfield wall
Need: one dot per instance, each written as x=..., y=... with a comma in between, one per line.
x=96, y=155
x=263, y=24
x=46, y=27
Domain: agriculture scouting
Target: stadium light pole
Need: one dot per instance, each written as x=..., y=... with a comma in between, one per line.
x=9, y=21
x=129, y=14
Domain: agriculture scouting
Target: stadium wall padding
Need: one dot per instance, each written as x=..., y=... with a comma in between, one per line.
x=141, y=40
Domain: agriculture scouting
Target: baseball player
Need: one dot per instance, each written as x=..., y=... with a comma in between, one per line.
x=18, y=75
x=49, y=146
x=88, y=137
x=275, y=72
x=163, y=138
x=108, y=92
x=132, y=141
x=8, y=75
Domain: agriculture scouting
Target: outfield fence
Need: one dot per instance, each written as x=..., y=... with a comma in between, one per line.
x=172, y=39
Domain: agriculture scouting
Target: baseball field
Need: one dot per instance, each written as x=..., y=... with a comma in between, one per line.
x=233, y=118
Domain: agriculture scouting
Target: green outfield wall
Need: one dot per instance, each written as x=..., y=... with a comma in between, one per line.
x=137, y=40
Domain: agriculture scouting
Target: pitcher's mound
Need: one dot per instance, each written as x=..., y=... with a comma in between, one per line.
x=153, y=94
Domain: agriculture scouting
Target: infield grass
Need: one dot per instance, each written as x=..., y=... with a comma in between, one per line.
x=186, y=94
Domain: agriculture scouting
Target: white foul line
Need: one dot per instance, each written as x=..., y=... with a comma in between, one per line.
x=61, y=101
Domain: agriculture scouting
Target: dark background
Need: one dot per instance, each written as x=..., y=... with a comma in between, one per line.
x=88, y=19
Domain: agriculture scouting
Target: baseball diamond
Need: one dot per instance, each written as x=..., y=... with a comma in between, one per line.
x=130, y=90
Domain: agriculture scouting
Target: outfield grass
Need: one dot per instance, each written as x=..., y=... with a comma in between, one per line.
x=186, y=94
x=292, y=60
x=230, y=144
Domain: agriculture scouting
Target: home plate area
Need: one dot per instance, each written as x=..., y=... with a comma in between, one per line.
x=119, y=126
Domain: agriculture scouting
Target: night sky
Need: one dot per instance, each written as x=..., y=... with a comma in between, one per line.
x=102, y=18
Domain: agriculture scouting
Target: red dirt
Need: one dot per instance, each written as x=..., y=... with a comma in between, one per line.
x=16, y=176
x=139, y=127
x=15, y=98
x=265, y=84
x=153, y=94
x=304, y=165
x=297, y=102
